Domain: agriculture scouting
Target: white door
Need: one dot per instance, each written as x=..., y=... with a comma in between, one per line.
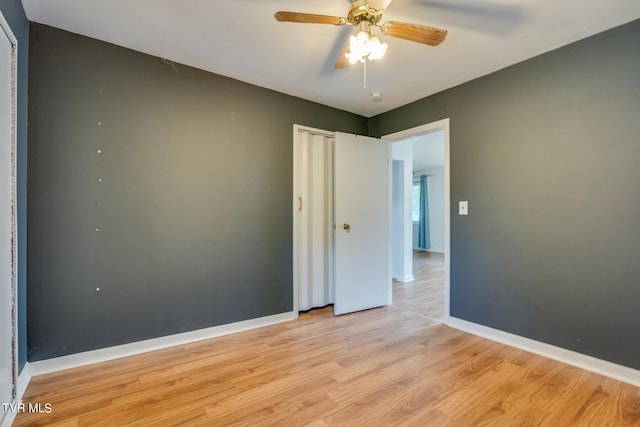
x=363, y=224
x=6, y=220
x=313, y=217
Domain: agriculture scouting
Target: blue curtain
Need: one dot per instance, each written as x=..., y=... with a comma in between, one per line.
x=424, y=240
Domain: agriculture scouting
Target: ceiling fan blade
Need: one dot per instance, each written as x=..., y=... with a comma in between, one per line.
x=309, y=18
x=414, y=33
x=342, y=61
x=379, y=4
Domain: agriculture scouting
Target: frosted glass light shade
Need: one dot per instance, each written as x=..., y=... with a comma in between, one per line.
x=363, y=46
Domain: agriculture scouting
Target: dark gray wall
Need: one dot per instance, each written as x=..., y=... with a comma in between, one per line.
x=547, y=152
x=194, y=209
x=14, y=14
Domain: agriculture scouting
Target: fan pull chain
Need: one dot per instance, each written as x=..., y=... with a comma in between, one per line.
x=365, y=74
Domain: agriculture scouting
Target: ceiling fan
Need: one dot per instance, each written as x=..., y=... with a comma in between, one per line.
x=365, y=15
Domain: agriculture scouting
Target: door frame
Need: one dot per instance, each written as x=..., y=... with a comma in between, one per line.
x=6, y=29
x=442, y=125
x=299, y=238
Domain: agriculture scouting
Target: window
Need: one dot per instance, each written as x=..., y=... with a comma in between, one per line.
x=415, y=215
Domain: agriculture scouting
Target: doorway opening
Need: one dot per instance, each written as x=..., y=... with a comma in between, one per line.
x=421, y=211
x=315, y=241
x=341, y=221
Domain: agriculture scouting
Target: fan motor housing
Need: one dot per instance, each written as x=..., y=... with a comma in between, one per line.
x=361, y=12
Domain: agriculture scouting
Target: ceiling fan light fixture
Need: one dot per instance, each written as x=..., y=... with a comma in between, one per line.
x=377, y=49
x=358, y=47
x=365, y=15
x=362, y=47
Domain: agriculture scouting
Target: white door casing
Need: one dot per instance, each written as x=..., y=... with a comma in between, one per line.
x=8, y=230
x=363, y=223
x=443, y=125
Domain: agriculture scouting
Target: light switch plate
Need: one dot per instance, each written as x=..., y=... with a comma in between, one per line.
x=463, y=208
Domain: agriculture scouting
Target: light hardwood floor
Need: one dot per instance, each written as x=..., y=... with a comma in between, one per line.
x=389, y=366
x=425, y=295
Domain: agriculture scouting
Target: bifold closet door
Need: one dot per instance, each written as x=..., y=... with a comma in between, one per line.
x=314, y=219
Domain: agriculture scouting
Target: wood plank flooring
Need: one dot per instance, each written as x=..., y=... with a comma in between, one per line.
x=424, y=295
x=390, y=366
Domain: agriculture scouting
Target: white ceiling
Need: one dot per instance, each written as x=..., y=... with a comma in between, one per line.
x=241, y=39
x=428, y=150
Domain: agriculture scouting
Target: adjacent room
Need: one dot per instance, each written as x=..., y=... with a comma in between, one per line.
x=418, y=258
x=407, y=212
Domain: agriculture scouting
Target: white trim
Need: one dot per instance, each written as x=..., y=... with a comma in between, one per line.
x=443, y=125
x=110, y=353
x=7, y=418
x=23, y=381
x=7, y=29
x=428, y=250
x=316, y=131
x=389, y=220
x=589, y=363
x=407, y=278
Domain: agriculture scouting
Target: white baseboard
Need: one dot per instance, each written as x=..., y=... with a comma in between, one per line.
x=407, y=278
x=435, y=251
x=110, y=353
x=23, y=381
x=8, y=419
x=589, y=363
